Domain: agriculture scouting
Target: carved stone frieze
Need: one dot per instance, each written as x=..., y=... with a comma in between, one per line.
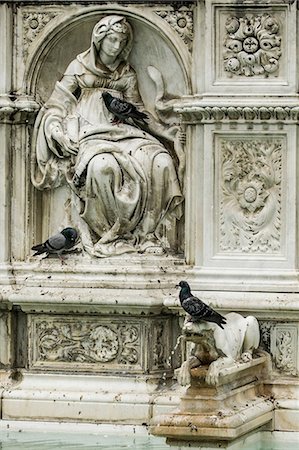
x=181, y=21
x=284, y=348
x=257, y=114
x=252, y=45
x=33, y=23
x=99, y=343
x=70, y=342
x=250, y=195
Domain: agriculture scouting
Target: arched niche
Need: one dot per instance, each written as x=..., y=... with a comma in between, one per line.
x=155, y=44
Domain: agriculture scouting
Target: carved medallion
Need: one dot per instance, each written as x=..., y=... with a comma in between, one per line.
x=181, y=21
x=252, y=45
x=33, y=24
x=250, y=195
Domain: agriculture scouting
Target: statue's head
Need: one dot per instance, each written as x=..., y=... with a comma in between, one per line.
x=113, y=35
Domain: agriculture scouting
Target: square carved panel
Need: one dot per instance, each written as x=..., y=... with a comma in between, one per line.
x=249, y=194
x=251, y=46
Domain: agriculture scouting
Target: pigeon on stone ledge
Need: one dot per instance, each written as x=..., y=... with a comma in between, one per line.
x=124, y=111
x=56, y=244
x=197, y=309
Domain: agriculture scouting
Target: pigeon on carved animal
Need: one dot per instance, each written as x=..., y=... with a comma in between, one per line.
x=124, y=111
x=197, y=309
x=57, y=243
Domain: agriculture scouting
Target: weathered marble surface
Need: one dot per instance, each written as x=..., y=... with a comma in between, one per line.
x=237, y=243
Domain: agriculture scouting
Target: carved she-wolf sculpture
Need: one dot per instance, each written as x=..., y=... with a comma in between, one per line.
x=219, y=347
x=125, y=178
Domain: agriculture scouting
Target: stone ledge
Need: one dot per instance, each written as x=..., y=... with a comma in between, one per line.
x=122, y=400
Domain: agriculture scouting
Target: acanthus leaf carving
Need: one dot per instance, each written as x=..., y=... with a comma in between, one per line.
x=89, y=343
x=285, y=359
x=250, y=197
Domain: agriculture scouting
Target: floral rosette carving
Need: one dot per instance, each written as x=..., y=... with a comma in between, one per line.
x=181, y=21
x=250, y=202
x=252, y=45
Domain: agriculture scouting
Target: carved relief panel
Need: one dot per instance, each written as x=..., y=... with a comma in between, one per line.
x=250, y=45
x=98, y=344
x=142, y=219
x=281, y=340
x=246, y=196
x=249, y=197
x=284, y=348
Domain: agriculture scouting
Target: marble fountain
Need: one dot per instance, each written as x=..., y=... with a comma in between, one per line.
x=204, y=191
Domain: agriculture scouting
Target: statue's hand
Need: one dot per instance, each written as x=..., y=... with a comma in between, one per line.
x=67, y=147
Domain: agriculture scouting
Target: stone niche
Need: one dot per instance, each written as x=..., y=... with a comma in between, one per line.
x=101, y=331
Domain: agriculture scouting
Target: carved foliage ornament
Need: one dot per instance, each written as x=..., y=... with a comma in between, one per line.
x=77, y=342
x=252, y=45
x=33, y=24
x=250, y=198
x=160, y=356
x=285, y=350
x=181, y=21
x=266, y=328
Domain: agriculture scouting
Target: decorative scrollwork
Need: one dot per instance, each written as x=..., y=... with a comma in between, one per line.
x=252, y=45
x=250, y=197
x=285, y=352
x=76, y=342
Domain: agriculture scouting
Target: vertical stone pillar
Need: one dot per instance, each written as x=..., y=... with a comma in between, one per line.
x=6, y=109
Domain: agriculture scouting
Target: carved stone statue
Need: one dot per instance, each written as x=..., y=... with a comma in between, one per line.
x=124, y=177
x=219, y=348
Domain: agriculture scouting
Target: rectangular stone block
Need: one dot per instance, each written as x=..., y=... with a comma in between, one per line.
x=99, y=343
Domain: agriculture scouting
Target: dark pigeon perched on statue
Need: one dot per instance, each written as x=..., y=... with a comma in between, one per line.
x=124, y=111
x=58, y=243
x=197, y=309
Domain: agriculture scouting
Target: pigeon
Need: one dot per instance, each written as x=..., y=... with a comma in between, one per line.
x=124, y=111
x=197, y=309
x=57, y=243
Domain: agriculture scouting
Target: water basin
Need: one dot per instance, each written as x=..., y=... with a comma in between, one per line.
x=45, y=436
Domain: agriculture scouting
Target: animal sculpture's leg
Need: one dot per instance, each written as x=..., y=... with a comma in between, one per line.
x=251, y=338
x=215, y=367
x=184, y=375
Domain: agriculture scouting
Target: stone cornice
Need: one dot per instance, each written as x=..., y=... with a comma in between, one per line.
x=205, y=113
x=24, y=109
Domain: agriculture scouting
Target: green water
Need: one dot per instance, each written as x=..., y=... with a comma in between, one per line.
x=24, y=440
x=43, y=439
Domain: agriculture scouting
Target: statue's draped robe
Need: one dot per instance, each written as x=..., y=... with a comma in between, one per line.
x=128, y=181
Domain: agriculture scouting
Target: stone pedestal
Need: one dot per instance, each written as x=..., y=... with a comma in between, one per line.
x=236, y=406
